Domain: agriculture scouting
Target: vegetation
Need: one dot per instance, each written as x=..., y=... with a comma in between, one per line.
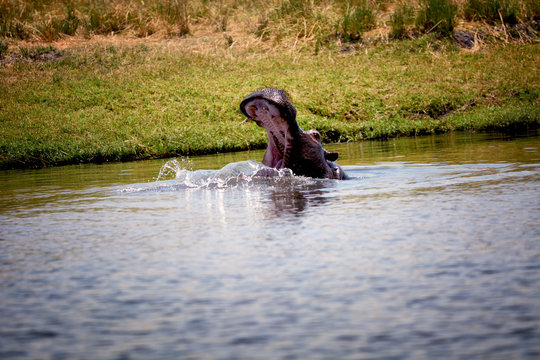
x=356, y=21
x=109, y=80
x=3, y=48
x=401, y=18
x=494, y=11
x=47, y=20
x=438, y=15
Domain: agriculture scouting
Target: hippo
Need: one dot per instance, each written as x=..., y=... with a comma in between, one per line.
x=288, y=145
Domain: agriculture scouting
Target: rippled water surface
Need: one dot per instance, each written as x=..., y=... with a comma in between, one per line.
x=431, y=250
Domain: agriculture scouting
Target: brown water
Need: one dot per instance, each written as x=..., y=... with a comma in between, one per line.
x=430, y=251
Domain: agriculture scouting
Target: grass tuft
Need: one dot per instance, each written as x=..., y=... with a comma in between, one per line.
x=36, y=52
x=295, y=9
x=492, y=11
x=401, y=18
x=437, y=15
x=356, y=20
x=3, y=48
x=53, y=29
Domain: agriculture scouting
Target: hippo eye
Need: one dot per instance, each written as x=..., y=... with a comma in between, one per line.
x=316, y=135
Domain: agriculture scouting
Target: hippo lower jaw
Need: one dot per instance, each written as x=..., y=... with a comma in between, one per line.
x=288, y=145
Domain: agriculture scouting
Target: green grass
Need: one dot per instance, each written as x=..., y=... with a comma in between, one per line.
x=356, y=20
x=3, y=48
x=35, y=52
x=400, y=20
x=103, y=102
x=493, y=11
x=437, y=15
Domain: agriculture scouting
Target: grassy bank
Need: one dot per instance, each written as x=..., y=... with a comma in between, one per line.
x=93, y=98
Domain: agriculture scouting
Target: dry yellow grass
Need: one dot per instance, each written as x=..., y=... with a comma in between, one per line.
x=212, y=26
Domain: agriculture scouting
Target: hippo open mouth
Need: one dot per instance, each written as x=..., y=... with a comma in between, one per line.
x=288, y=145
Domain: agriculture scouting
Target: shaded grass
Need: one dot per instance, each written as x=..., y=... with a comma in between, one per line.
x=122, y=102
x=3, y=49
x=494, y=11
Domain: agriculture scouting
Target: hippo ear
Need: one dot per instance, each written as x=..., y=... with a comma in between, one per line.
x=332, y=156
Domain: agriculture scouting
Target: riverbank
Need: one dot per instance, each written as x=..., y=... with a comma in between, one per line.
x=111, y=98
x=113, y=102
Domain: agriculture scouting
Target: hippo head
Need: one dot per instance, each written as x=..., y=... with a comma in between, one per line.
x=288, y=145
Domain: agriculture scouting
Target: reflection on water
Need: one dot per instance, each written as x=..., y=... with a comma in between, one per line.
x=430, y=251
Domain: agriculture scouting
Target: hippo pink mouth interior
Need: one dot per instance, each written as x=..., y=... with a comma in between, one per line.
x=268, y=116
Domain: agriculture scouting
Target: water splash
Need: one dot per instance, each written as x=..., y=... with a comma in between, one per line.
x=242, y=173
x=177, y=174
x=173, y=167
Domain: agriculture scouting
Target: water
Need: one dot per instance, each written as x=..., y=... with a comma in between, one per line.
x=430, y=251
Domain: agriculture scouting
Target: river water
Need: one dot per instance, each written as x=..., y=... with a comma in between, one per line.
x=430, y=251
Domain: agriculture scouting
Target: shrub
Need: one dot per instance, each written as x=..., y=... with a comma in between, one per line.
x=176, y=13
x=492, y=11
x=103, y=21
x=48, y=30
x=402, y=16
x=532, y=9
x=69, y=24
x=3, y=48
x=53, y=28
x=356, y=20
x=13, y=29
x=437, y=15
x=12, y=15
x=294, y=8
